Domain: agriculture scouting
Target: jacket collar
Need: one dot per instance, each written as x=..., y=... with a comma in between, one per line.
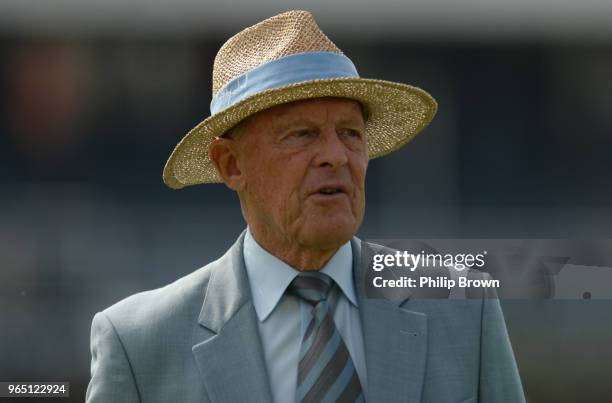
x=395, y=338
x=231, y=360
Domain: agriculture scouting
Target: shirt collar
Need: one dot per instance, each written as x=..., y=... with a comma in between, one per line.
x=269, y=276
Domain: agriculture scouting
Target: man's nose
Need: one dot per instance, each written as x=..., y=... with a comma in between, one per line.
x=331, y=150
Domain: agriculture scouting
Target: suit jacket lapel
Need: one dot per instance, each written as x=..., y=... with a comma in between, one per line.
x=395, y=341
x=231, y=360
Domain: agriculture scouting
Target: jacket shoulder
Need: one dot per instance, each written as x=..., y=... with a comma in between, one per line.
x=152, y=310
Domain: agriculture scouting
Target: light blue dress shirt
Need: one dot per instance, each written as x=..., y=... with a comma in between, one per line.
x=283, y=318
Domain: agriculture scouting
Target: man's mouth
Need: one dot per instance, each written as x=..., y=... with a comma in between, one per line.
x=330, y=191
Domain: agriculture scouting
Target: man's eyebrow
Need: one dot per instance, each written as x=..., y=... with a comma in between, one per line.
x=294, y=122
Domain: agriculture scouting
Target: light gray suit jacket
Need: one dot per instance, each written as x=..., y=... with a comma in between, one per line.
x=197, y=340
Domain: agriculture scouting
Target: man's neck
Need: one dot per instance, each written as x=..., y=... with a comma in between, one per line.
x=298, y=256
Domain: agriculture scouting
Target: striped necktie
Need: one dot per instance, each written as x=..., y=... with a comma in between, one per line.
x=325, y=370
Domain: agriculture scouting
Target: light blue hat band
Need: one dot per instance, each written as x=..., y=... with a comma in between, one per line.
x=284, y=71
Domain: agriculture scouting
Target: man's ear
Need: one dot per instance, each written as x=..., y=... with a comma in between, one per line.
x=223, y=153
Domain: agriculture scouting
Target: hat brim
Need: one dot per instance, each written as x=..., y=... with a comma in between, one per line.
x=396, y=114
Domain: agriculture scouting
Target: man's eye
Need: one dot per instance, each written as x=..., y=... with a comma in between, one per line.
x=302, y=133
x=351, y=133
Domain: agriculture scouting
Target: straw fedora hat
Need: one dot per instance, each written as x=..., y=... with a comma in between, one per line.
x=288, y=58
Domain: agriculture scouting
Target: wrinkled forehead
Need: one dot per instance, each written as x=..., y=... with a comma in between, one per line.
x=341, y=110
x=340, y=105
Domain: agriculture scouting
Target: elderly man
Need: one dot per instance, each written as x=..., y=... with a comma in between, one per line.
x=282, y=316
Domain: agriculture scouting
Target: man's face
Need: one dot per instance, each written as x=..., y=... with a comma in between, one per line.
x=304, y=167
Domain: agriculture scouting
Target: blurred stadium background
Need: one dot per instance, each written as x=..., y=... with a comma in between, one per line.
x=94, y=95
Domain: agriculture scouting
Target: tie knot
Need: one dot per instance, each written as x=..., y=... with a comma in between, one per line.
x=311, y=286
